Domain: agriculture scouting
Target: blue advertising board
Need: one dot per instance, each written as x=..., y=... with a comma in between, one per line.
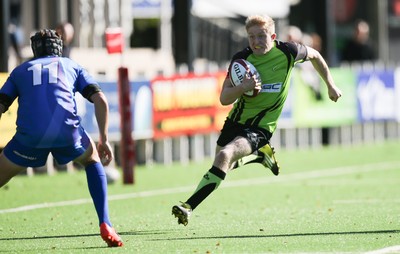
x=376, y=97
x=141, y=108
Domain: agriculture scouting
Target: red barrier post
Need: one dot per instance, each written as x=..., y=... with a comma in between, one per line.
x=115, y=44
x=127, y=149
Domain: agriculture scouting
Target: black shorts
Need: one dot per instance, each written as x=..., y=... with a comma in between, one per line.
x=257, y=137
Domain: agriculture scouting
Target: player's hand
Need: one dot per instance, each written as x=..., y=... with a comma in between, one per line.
x=334, y=93
x=105, y=152
x=250, y=82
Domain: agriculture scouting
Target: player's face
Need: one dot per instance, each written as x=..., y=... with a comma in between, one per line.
x=260, y=40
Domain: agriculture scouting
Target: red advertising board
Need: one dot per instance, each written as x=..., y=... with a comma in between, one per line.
x=186, y=105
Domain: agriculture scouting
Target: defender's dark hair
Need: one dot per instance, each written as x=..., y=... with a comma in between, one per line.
x=46, y=42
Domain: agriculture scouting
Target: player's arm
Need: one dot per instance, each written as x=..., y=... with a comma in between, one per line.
x=230, y=93
x=322, y=68
x=101, y=112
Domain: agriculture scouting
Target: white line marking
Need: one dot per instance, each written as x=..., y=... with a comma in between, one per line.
x=365, y=201
x=348, y=170
x=391, y=249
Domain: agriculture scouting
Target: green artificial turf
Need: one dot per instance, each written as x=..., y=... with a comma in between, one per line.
x=335, y=200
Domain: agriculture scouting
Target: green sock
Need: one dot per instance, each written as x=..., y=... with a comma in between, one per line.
x=210, y=181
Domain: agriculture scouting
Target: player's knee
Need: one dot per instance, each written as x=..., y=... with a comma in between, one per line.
x=224, y=156
x=8, y=169
x=88, y=158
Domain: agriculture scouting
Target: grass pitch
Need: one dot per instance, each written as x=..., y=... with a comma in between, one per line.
x=336, y=200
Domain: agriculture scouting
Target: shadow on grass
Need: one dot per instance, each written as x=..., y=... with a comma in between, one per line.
x=138, y=233
x=132, y=233
x=282, y=235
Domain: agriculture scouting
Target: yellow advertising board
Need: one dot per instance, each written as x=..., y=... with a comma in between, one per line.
x=8, y=119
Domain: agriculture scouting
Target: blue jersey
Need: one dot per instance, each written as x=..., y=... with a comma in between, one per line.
x=47, y=114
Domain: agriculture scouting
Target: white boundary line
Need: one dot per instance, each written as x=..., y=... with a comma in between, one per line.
x=321, y=173
x=391, y=249
x=364, y=201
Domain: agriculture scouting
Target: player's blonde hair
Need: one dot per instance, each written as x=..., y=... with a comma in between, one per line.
x=261, y=20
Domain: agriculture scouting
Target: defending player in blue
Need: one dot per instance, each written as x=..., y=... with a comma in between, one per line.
x=47, y=121
x=247, y=131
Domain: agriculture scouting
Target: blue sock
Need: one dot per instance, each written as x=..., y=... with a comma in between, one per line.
x=97, y=183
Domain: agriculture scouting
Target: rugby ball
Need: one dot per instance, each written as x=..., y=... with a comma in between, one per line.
x=237, y=72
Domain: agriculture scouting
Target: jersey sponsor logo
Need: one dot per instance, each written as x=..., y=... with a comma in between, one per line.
x=275, y=68
x=271, y=88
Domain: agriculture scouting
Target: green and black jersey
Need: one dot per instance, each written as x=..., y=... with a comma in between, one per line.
x=274, y=67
